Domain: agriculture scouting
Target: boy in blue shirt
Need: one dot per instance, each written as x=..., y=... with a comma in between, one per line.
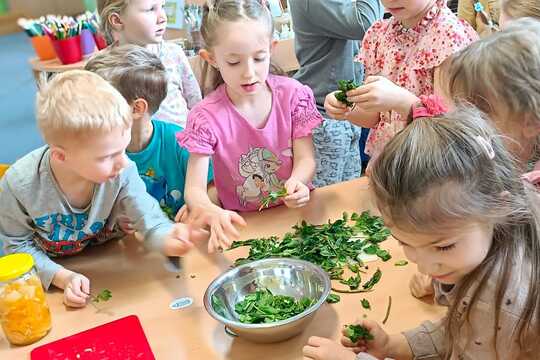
x=142, y=79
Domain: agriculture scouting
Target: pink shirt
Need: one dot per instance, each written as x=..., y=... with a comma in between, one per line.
x=250, y=162
x=408, y=57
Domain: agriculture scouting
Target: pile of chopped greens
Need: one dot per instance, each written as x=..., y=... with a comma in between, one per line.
x=343, y=87
x=264, y=307
x=357, y=332
x=334, y=246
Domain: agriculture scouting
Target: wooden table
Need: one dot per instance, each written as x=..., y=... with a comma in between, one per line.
x=141, y=286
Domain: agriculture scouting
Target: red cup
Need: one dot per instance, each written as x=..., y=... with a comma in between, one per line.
x=43, y=47
x=100, y=41
x=68, y=50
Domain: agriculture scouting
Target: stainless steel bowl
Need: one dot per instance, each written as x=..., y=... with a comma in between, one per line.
x=282, y=276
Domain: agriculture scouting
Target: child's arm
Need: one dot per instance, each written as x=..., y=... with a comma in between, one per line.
x=302, y=173
x=16, y=234
x=203, y=212
x=190, y=87
x=148, y=219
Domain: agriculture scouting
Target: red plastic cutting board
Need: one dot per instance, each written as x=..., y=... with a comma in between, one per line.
x=122, y=339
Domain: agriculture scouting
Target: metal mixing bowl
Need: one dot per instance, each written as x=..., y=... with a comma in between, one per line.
x=282, y=276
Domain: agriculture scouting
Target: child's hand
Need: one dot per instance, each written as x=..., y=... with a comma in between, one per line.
x=335, y=108
x=180, y=240
x=125, y=225
x=377, y=347
x=319, y=348
x=298, y=193
x=421, y=285
x=378, y=94
x=76, y=290
x=220, y=222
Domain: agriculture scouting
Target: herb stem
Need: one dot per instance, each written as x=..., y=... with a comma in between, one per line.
x=387, y=310
x=351, y=291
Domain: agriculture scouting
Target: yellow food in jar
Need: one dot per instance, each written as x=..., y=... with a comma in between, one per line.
x=24, y=313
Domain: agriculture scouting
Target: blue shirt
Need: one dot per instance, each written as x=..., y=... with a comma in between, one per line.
x=162, y=165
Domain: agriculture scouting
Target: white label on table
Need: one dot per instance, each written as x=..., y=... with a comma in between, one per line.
x=181, y=303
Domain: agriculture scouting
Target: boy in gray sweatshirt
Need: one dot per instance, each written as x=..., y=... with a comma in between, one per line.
x=68, y=195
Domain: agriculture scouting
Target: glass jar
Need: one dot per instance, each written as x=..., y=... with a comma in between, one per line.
x=24, y=312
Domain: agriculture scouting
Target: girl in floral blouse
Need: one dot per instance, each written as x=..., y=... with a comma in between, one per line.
x=401, y=56
x=143, y=22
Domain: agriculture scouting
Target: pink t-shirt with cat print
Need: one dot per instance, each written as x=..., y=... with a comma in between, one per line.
x=250, y=162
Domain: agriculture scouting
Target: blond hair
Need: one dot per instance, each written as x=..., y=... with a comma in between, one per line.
x=106, y=8
x=516, y=9
x=134, y=71
x=76, y=102
x=215, y=12
x=500, y=71
x=443, y=172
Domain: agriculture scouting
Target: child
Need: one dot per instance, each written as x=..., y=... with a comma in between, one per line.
x=141, y=78
x=401, y=56
x=252, y=124
x=143, y=22
x=479, y=14
x=515, y=9
x=501, y=76
x=67, y=195
x=452, y=196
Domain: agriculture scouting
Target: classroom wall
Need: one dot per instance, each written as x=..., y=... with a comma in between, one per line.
x=37, y=8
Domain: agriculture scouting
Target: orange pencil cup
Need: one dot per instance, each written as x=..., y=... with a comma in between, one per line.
x=43, y=47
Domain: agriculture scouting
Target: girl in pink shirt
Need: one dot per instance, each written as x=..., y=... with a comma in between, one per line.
x=256, y=127
x=401, y=56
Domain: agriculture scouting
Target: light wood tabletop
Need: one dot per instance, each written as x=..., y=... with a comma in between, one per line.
x=141, y=285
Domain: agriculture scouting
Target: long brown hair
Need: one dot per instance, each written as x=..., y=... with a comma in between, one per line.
x=216, y=12
x=455, y=169
x=521, y=8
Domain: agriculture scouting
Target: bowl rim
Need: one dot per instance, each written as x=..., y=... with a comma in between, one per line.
x=236, y=324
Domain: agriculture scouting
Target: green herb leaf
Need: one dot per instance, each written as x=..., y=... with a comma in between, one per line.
x=357, y=332
x=272, y=198
x=343, y=87
x=365, y=304
x=374, y=280
x=401, y=263
x=333, y=298
x=353, y=282
x=384, y=255
x=102, y=296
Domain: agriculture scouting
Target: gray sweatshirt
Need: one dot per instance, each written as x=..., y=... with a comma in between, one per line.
x=36, y=218
x=327, y=35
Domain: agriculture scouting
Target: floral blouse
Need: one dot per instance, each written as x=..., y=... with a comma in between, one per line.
x=408, y=57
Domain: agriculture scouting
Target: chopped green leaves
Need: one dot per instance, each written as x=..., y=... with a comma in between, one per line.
x=264, y=307
x=272, y=198
x=334, y=246
x=357, y=332
x=333, y=298
x=365, y=304
x=401, y=263
x=343, y=87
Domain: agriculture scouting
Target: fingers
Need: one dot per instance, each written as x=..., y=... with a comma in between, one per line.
x=237, y=219
x=181, y=215
x=373, y=78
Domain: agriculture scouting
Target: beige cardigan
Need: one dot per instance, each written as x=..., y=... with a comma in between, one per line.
x=477, y=341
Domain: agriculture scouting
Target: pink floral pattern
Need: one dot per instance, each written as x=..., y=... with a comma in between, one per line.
x=183, y=91
x=408, y=57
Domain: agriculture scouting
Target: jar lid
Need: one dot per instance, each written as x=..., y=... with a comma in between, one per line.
x=14, y=265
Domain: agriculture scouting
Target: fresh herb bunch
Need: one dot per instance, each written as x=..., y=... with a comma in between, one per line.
x=264, y=307
x=332, y=246
x=343, y=87
x=103, y=296
x=357, y=332
x=272, y=198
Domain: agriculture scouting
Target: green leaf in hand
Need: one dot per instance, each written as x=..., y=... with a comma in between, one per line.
x=357, y=332
x=103, y=296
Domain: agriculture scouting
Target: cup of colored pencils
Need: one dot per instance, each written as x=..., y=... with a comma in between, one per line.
x=65, y=33
x=40, y=40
